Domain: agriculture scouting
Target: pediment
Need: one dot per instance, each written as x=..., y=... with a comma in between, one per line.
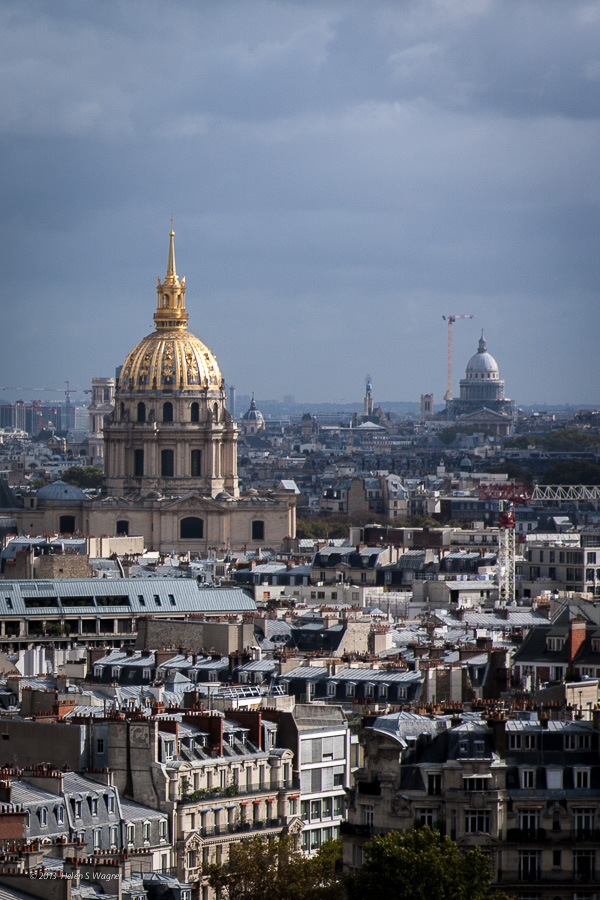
x=189, y=501
x=295, y=825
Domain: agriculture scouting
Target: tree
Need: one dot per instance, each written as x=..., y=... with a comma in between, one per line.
x=84, y=476
x=274, y=868
x=574, y=471
x=420, y=865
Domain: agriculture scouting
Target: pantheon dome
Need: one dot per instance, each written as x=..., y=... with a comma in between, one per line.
x=170, y=430
x=482, y=387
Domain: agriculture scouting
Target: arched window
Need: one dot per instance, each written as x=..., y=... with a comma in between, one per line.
x=141, y=412
x=216, y=412
x=196, y=463
x=258, y=530
x=66, y=524
x=191, y=528
x=122, y=526
x=195, y=412
x=167, y=463
x=167, y=412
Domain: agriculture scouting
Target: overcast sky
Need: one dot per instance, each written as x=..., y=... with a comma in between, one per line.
x=341, y=174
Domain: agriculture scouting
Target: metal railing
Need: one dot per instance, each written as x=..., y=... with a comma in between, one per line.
x=206, y=795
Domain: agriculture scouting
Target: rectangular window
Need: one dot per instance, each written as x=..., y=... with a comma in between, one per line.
x=529, y=821
x=581, y=778
x=528, y=778
x=367, y=815
x=584, y=864
x=258, y=530
x=529, y=865
x=138, y=463
x=477, y=820
x=583, y=823
x=167, y=463
x=434, y=783
x=196, y=460
x=425, y=817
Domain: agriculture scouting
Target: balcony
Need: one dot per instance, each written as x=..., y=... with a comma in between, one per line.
x=525, y=835
x=551, y=878
x=238, y=827
x=349, y=828
x=204, y=795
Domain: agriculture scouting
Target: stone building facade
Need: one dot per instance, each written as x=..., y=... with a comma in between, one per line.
x=170, y=453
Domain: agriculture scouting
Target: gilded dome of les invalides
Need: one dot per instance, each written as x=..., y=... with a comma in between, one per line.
x=171, y=357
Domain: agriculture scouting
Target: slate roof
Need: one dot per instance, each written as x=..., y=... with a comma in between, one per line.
x=175, y=595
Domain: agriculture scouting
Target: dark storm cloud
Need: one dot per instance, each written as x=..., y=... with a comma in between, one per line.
x=340, y=177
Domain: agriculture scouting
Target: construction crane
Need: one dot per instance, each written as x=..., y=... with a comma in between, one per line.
x=451, y=320
x=507, y=496
x=35, y=390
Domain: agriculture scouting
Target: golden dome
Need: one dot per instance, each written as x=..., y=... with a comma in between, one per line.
x=171, y=357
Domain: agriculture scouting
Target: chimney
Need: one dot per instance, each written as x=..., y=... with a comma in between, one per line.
x=577, y=632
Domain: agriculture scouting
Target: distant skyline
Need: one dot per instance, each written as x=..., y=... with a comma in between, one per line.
x=341, y=175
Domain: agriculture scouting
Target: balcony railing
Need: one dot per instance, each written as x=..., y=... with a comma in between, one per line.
x=350, y=828
x=208, y=794
x=551, y=877
x=525, y=835
x=237, y=827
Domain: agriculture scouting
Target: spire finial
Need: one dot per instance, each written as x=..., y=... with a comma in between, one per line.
x=170, y=308
x=482, y=344
x=171, y=262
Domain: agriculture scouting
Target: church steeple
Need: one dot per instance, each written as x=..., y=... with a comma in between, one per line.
x=170, y=308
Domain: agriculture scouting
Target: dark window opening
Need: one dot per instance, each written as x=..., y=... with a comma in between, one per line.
x=191, y=528
x=141, y=412
x=196, y=461
x=167, y=412
x=67, y=524
x=122, y=526
x=258, y=530
x=167, y=463
x=195, y=412
x=138, y=463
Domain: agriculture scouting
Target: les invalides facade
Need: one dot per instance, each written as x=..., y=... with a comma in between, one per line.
x=170, y=453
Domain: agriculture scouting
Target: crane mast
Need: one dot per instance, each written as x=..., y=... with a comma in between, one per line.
x=451, y=320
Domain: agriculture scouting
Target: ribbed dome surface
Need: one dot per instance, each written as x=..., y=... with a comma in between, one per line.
x=170, y=359
x=483, y=363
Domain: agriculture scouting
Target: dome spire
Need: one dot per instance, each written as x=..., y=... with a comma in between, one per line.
x=171, y=271
x=482, y=347
x=170, y=308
